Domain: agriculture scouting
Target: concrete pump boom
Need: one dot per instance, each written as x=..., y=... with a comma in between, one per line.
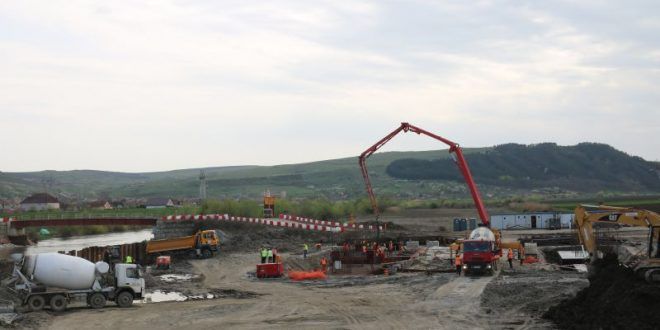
x=454, y=150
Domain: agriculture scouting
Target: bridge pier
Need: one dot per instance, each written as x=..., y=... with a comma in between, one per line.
x=3, y=232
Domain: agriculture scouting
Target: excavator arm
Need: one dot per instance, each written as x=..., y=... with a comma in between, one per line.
x=587, y=215
x=454, y=150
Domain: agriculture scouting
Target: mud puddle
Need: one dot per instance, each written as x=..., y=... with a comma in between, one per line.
x=171, y=278
x=159, y=296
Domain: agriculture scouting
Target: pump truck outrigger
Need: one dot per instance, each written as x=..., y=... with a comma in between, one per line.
x=484, y=249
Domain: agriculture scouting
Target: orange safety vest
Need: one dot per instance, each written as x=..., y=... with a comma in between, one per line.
x=324, y=261
x=458, y=261
x=510, y=255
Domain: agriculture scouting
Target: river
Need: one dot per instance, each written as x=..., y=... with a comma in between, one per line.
x=81, y=242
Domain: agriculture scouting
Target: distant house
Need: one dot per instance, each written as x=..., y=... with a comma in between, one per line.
x=40, y=201
x=159, y=203
x=118, y=204
x=100, y=205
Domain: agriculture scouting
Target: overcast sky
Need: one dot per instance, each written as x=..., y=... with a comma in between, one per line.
x=144, y=86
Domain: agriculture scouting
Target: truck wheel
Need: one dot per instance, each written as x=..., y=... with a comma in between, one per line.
x=96, y=300
x=125, y=299
x=206, y=253
x=58, y=303
x=36, y=303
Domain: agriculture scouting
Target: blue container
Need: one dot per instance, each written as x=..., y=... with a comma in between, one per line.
x=457, y=224
x=473, y=223
x=463, y=224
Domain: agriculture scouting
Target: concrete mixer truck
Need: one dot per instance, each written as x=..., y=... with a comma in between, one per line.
x=56, y=280
x=481, y=251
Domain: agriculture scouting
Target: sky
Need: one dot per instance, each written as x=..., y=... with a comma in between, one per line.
x=157, y=85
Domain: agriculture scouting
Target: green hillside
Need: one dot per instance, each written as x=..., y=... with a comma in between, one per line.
x=586, y=167
x=545, y=171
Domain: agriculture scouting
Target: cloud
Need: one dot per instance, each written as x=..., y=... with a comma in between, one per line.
x=141, y=85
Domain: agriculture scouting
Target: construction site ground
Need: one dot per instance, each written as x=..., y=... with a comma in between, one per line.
x=223, y=292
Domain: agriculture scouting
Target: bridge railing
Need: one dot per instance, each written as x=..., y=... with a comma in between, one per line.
x=82, y=215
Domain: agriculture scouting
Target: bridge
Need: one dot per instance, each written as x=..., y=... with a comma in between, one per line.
x=91, y=221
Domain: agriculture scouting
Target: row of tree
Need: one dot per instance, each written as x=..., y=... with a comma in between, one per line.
x=584, y=167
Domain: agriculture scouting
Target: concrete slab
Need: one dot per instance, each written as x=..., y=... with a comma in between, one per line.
x=573, y=255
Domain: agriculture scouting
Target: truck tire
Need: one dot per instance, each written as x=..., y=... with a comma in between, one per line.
x=58, y=303
x=36, y=303
x=96, y=300
x=206, y=253
x=125, y=299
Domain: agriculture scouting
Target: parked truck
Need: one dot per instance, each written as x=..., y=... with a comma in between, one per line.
x=481, y=251
x=55, y=280
x=203, y=244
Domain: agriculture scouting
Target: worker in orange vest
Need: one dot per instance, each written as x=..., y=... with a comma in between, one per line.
x=510, y=258
x=459, y=263
x=324, y=264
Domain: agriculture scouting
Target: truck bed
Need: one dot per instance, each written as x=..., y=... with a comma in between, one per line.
x=171, y=244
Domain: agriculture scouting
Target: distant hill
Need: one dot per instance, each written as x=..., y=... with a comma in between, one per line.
x=586, y=167
x=511, y=169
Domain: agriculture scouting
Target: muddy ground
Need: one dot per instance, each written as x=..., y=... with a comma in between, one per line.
x=615, y=299
x=223, y=292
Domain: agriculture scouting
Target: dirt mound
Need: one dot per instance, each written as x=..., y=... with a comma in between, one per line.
x=249, y=237
x=615, y=299
x=386, y=224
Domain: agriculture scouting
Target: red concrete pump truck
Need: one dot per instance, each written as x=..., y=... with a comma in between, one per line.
x=482, y=249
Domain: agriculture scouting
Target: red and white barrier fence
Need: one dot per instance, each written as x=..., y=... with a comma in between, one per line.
x=6, y=220
x=268, y=222
x=333, y=223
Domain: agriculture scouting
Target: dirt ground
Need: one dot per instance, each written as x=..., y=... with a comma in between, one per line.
x=511, y=299
x=439, y=301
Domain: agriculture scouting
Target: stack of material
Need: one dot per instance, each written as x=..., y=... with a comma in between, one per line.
x=436, y=258
x=7, y=314
x=432, y=243
x=412, y=246
x=531, y=249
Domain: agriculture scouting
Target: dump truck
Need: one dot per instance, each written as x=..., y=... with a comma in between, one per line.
x=481, y=251
x=55, y=280
x=202, y=244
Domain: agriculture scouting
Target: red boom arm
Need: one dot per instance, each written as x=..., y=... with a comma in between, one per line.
x=453, y=148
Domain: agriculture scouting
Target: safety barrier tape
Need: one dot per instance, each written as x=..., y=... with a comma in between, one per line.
x=322, y=222
x=268, y=222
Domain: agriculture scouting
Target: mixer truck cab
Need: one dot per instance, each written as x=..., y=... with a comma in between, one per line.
x=481, y=252
x=128, y=278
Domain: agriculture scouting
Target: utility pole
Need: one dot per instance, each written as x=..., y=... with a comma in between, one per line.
x=202, y=185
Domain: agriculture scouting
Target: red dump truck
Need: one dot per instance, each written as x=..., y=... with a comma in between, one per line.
x=203, y=244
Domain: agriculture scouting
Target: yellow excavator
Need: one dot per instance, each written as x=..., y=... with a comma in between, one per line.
x=587, y=215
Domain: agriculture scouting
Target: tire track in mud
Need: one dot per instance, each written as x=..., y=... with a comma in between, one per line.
x=460, y=302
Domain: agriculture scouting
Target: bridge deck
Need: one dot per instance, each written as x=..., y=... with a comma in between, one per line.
x=20, y=224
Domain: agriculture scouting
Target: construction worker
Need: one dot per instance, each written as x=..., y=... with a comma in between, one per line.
x=324, y=264
x=510, y=258
x=305, y=249
x=264, y=255
x=522, y=255
x=270, y=255
x=129, y=259
x=458, y=262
